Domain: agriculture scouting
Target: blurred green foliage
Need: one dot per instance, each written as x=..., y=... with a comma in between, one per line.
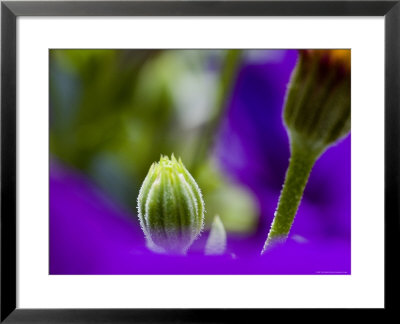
x=114, y=112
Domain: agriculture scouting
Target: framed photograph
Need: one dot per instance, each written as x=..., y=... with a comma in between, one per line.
x=187, y=161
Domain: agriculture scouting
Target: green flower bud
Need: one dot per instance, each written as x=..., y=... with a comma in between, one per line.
x=316, y=115
x=317, y=110
x=170, y=207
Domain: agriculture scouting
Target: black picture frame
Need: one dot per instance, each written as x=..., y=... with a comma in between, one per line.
x=10, y=10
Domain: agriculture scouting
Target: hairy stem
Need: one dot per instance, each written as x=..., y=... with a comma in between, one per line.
x=300, y=165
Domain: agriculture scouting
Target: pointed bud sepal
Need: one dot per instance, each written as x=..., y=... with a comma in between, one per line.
x=216, y=241
x=170, y=207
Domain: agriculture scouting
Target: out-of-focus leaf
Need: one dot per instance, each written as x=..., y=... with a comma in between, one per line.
x=235, y=205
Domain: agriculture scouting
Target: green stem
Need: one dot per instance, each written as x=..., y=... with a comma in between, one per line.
x=226, y=81
x=300, y=165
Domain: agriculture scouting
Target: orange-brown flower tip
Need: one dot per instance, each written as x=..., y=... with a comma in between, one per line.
x=333, y=57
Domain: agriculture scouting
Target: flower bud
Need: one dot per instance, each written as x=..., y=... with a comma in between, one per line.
x=316, y=115
x=170, y=207
x=317, y=109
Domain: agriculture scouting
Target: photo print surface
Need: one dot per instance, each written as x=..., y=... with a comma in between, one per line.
x=200, y=161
